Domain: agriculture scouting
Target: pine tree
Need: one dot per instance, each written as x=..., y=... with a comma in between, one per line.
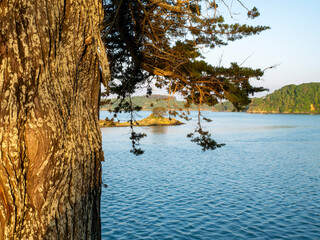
x=161, y=42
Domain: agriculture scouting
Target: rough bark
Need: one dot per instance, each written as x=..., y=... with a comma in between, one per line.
x=51, y=65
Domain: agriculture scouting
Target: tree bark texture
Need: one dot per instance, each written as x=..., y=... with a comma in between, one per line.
x=52, y=61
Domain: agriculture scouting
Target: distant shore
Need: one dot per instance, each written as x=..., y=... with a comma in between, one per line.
x=150, y=110
x=284, y=113
x=249, y=112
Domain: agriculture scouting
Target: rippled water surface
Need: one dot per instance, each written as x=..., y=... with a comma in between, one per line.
x=264, y=184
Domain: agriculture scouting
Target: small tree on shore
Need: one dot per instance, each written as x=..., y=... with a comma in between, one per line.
x=159, y=111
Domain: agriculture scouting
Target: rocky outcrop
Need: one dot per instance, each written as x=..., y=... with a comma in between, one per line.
x=152, y=120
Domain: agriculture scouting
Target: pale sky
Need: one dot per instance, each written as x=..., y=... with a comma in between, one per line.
x=293, y=42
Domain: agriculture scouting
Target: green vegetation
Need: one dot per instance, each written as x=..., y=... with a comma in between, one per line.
x=225, y=106
x=154, y=101
x=304, y=98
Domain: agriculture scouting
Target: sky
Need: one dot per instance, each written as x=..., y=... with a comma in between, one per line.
x=292, y=42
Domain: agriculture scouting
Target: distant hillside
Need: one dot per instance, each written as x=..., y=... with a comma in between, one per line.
x=225, y=106
x=148, y=103
x=304, y=98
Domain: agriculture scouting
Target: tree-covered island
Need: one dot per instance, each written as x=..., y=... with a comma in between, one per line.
x=156, y=118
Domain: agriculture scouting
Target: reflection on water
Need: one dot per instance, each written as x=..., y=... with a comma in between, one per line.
x=276, y=127
x=254, y=128
x=158, y=134
x=159, y=129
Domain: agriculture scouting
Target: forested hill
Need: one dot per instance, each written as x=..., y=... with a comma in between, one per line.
x=224, y=106
x=148, y=103
x=304, y=98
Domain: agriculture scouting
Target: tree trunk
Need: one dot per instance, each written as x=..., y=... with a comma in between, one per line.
x=51, y=64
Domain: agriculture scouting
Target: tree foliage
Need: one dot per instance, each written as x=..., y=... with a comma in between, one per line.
x=160, y=42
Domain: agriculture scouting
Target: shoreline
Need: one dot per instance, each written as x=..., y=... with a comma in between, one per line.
x=284, y=113
x=249, y=112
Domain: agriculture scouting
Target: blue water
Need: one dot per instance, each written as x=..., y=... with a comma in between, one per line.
x=264, y=184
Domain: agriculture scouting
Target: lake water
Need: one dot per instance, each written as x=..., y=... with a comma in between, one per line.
x=264, y=184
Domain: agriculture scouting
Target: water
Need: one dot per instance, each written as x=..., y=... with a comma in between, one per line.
x=264, y=184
